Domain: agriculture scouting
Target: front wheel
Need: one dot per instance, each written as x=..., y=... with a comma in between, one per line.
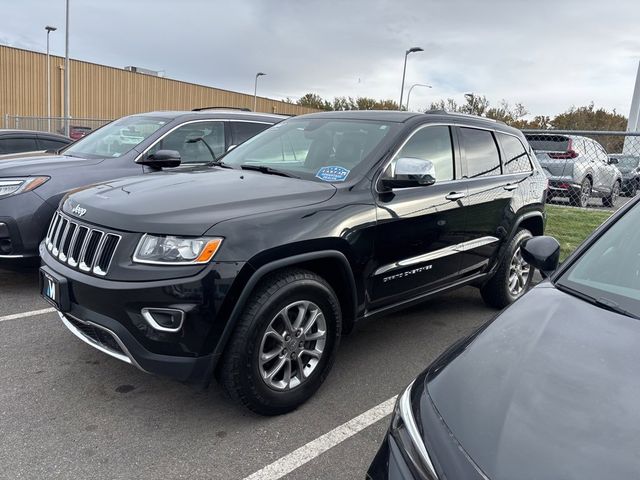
x=284, y=344
x=610, y=201
x=513, y=277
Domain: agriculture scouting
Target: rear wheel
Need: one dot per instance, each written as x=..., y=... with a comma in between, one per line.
x=285, y=343
x=513, y=277
x=580, y=197
x=610, y=201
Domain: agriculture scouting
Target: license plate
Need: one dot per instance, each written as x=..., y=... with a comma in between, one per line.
x=53, y=289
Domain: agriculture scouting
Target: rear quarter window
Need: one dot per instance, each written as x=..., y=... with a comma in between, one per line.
x=516, y=159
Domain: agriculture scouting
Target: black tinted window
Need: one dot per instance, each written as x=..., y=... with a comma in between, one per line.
x=17, y=145
x=245, y=130
x=51, y=144
x=516, y=159
x=481, y=152
x=433, y=144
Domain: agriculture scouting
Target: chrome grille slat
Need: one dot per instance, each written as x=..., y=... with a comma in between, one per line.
x=80, y=246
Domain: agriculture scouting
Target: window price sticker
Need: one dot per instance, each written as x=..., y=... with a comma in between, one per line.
x=332, y=174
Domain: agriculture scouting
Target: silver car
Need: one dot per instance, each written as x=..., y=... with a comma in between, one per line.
x=577, y=167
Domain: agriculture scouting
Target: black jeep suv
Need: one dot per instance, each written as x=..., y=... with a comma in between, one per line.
x=250, y=269
x=31, y=188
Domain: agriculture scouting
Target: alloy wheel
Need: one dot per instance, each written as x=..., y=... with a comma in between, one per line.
x=519, y=272
x=585, y=193
x=292, y=345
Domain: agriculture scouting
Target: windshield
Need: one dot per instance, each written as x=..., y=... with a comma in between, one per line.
x=116, y=138
x=324, y=150
x=609, y=271
x=628, y=162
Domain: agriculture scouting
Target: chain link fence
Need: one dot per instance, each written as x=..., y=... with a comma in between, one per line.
x=589, y=169
x=78, y=127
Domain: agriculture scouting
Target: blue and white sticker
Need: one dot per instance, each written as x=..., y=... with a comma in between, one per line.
x=332, y=174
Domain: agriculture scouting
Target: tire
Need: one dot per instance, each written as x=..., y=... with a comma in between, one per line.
x=242, y=372
x=632, y=189
x=610, y=201
x=580, y=197
x=497, y=292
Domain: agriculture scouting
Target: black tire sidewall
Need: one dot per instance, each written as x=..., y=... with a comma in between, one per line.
x=307, y=289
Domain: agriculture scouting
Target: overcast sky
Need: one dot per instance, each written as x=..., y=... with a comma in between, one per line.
x=546, y=54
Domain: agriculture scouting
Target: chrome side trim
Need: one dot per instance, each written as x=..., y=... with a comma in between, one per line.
x=146, y=314
x=406, y=413
x=443, y=252
x=127, y=358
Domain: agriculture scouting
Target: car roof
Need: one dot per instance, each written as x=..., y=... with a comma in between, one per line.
x=10, y=131
x=222, y=113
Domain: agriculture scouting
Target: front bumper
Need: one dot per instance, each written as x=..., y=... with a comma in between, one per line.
x=24, y=219
x=389, y=463
x=108, y=315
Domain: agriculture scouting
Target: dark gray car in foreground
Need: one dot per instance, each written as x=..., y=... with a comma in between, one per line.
x=31, y=187
x=548, y=390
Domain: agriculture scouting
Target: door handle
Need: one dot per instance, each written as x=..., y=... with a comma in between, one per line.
x=510, y=187
x=455, y=196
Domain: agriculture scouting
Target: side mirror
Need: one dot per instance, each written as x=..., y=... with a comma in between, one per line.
x=411, y=172
x=613, y=161
x=542, y=253
x=162, y=159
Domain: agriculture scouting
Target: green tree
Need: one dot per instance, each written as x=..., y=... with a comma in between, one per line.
x=590, y=118
x=313, y=100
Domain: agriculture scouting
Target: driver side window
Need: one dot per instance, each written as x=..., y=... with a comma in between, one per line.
x=429, y=143
x=198, y=142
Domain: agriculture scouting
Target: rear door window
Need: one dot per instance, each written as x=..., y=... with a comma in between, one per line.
x=481, y=152
x=516, y=159
x=17, y=145
x=242, y=131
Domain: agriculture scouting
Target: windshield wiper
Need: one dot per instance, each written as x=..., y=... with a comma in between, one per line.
x=219, y=163
x=268, y=170
x=598, y=302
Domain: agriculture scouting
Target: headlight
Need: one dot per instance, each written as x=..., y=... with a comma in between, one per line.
x=406, y=433
x=13, y=186
x=170, y=250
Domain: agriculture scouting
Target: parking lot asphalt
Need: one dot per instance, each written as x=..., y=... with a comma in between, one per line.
x=69, y=411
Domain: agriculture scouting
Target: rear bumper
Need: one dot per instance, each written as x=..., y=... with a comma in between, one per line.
x=562, y=185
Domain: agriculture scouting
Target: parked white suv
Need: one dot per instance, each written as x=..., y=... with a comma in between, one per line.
x=577, y=167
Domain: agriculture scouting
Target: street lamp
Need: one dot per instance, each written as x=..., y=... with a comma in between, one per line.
x=255, y=91
x=49, y=29
x=66, y=71
x=411, y=88
x=404, y=70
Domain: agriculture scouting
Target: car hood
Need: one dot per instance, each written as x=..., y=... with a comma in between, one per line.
x=549, y=390
x=191, y=202
x=40, y=164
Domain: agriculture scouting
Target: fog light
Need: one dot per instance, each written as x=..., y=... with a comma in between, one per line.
x=164, y=319
x=5, y=246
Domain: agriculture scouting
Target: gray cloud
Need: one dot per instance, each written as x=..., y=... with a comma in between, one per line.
x=547, y=54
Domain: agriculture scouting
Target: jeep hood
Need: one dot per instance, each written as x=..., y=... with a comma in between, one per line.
x=191, y=202
x=41, y=164
x=550, y=389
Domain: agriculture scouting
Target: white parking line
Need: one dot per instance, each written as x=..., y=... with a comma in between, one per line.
x=317, y=447
x=33, y=313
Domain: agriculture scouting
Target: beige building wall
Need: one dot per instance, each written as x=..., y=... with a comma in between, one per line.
x=102, y=92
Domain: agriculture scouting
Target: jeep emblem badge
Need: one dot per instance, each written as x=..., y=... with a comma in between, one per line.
x=78, y=210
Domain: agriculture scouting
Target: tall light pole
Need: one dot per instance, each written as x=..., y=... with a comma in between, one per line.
x=255, y=90
x=411, y=88
x=49, y=29
x=404, y=70
x=66, y=72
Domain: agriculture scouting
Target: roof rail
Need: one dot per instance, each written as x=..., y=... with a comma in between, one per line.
x=241, y=109
x=459, y=114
